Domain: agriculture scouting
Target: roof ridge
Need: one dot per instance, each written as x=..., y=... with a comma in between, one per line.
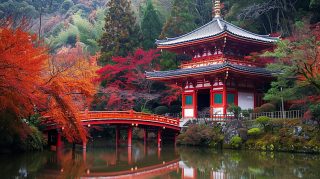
x=183, y=35
x=265, y=36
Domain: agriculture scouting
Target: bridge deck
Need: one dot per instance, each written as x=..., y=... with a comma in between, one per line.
x=125, y=117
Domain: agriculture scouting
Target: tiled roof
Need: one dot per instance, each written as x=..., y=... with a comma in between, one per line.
x=206, y=69
x=214, y=28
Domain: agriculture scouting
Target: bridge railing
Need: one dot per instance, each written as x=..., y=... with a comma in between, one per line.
x=132, y=115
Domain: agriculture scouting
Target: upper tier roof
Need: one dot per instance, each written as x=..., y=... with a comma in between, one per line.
x=208, y=69
x=216, y=27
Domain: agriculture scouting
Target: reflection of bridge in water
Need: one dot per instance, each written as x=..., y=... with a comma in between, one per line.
x=115, y=165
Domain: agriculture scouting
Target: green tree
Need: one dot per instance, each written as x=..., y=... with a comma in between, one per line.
x=121, y=33
x=297, y=65
x=182, y=19
x=87, y=31
x=150, y=26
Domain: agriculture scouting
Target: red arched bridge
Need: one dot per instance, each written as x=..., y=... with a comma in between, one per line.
x=122, y=120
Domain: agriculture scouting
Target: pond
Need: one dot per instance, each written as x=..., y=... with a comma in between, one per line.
x=149, y=162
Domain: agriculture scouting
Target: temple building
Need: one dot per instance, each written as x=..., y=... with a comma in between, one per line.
x=219, y=73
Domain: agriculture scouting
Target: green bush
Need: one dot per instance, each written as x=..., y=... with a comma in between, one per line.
x=236, y=142
x=268, y=107
x=246, y=112
x=200, y=135
x=254, y=132
x=161, y=110
x=315, y=112
x=35, y=140
x=263, y=120
x=235, y=110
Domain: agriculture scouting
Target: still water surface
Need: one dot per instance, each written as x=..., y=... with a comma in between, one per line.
x=169, y=162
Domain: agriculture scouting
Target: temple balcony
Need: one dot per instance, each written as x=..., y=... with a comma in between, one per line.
x=220, y=59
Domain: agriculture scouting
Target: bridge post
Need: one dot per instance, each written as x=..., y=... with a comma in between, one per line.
x=117, y=136
x=59, y=142
x=159, y=137
x=129, y=155
x=129, y=136
x=145, y=136
x=84, y=146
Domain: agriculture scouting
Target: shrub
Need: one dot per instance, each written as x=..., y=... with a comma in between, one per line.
x=246, y=112
x=315, y=112
x=254, y=132
x=263, y=120
x=236, y=142
x=200, y=135
x=276, y=123
x=257, y=110
x=161, y=110
x=235, y=110
x=268, y=107
x=35, y=140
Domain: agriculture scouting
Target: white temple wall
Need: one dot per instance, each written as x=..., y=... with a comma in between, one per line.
x=246, y=100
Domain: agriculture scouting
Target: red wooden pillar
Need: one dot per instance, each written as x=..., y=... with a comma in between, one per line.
x=117, y=136
x=84, y=145
x=145, y=140
x=183, y=102
x=129, y=155
x=129, y=136
x=224, y=98
x=159, y=153
x=59, y=142
x=211, y=101
x=84, y=155
x=195, y=104
x=145, y=136
x=159, y=137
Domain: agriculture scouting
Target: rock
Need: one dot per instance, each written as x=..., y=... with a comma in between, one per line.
x=231, y=129
x=243, y=133
x=297, y=130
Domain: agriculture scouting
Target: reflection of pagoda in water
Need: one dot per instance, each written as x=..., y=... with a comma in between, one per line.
x=218, y=74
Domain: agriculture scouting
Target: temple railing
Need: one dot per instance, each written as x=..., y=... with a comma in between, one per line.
x=218, y=59
x=128, y=115
x=294, y=114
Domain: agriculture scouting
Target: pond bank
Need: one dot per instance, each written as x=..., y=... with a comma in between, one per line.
x=266, y=135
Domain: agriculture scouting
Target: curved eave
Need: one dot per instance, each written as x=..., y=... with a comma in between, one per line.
x=210, y=72
x=223, y=34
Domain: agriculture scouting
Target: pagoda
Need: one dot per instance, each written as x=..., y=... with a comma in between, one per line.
x=219, y=73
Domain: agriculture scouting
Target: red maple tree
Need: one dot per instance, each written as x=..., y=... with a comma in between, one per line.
x=30, y=79
x=125, y=81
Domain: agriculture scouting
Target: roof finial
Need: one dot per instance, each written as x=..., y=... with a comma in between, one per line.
x=216, y=9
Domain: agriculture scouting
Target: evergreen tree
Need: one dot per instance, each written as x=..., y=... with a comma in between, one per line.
x=182, y=19
x=150, y=26
x=121, y=33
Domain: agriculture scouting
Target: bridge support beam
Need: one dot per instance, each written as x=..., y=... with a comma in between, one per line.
x=129, y=155
x=117, y=136
x=59, y=142
x=145, y=136
x=84, y=146
x=159, y=138
x=129, y=136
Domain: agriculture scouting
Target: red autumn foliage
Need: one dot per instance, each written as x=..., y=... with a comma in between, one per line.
x=125, y=78
x=30, y=79
x=21, y=62
x=68, y=83
x=126, y=81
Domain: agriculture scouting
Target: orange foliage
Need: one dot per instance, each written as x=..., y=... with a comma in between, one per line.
x=21, y=62
x=59, y=86
x=69, y=77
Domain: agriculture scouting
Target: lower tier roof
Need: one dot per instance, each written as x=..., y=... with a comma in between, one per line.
x=187, y=72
